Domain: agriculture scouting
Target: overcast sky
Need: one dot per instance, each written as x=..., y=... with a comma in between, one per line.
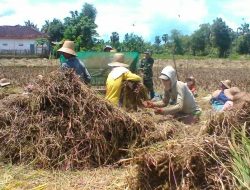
x=146, y=18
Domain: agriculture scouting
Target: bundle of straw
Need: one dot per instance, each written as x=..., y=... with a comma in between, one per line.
x=223, y=123
x=133, y=94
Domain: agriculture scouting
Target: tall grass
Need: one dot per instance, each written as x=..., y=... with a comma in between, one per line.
x=240, y=151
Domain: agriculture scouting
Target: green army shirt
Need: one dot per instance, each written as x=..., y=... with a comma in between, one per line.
x=147, y=66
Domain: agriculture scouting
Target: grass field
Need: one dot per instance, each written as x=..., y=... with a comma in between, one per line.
x=208, y=73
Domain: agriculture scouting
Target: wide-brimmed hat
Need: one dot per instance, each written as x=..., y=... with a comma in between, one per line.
x=226, y=83
x=68, y=47
x=118, y=61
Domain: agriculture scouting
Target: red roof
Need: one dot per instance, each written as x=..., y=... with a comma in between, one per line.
x=20, y=32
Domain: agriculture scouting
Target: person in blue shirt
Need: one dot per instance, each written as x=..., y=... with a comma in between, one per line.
x=222, y=99
x=72, y=62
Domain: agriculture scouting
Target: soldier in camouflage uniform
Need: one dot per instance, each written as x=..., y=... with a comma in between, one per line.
x=147, y=68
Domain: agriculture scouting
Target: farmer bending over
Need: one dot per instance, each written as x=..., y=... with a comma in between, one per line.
x=183, y=107
x=118, y=74
x=67, y=50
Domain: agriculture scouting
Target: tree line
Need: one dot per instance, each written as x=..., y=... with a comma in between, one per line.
x=214, y=40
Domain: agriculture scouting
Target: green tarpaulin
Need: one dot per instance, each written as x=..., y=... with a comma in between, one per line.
x=97, y=64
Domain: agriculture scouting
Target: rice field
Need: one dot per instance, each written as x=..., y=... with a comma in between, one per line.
x=165, y=155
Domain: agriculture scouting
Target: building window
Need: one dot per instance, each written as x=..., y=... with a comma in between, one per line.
x=5, y=44
x=20, y=44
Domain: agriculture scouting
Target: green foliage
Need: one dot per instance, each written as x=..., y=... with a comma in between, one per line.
x=234, y=56
x=31, y=24
x=114, y=38
x=221, y=36
x=164, y=38
x=176, y=42
x=200, y=40
x=213, y=53
x=54, y=30
x=216, y=40
x=45, y=27
x=244, y=29
x=54, y=52
x=240, y=151
x=81, y=28
x=89, y=11
x=186, y=43
x=157, y=40
x=157, y=43
x=243, y=44
x=99, y=44
x=133, y=42
x=42, y=41
x=241, y=40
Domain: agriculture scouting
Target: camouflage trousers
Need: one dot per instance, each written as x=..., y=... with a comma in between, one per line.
x=150, y=86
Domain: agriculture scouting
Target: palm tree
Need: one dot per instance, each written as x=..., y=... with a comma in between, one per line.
x=45, y=27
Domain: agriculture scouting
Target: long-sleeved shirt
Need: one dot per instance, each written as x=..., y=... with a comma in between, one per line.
x=182, y=97
x=147, y=66
x=79, y=67
x=114, y=83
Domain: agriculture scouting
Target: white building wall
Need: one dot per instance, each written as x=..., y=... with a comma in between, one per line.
x=40, y=48
x=16, y=44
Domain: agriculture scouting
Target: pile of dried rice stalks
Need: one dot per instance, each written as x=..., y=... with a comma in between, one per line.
x=191, y=163
x=167, y=127
x=222, y=123
x=64, y=124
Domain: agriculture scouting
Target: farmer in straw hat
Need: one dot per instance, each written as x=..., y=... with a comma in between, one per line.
x=183, y=105
x=147, y=68
x=118, y=74
x=67, y=50
x=222, y=99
